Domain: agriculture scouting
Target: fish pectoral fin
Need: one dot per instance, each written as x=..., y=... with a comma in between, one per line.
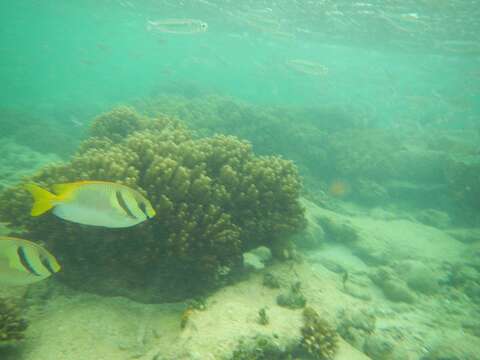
x=43, y=199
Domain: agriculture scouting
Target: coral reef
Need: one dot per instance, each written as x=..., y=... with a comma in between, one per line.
x=376, y=163
x=12, y=324
x=319, y=339
x=289, y=127
x=214, y=200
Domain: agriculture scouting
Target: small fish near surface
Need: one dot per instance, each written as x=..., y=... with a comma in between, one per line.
x=95, y=203
x=307, y=67
x=23, y=262
x=178, y=26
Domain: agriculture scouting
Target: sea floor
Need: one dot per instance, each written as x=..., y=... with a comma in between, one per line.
x=368, y=288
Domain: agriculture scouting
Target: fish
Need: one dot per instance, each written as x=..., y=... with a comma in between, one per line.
x=339, y=189
x=307, y=67
x=95, y=203
x=178, y=26
x=23, y=262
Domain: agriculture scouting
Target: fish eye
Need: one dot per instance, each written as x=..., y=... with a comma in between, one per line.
x=204, y=26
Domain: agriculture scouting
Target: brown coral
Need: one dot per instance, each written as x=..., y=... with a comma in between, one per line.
x=319, y=339
x=213, y=197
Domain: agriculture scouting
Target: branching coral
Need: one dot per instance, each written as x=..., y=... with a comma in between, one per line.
x=12, y=325
x=319, y=339
x=213, y=197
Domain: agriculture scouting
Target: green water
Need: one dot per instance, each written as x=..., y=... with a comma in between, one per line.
x=76, y=58
x=377, y=104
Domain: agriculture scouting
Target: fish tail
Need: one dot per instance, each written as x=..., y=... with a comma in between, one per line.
x=43, y=199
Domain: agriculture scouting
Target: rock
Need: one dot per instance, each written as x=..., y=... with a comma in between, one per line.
x=252, y=262
x=427, y=194
x=363, y=320
x=378, y=347
x=357, y=292
x=370, y=193
x=450, y=349
x=263, y=253
x=271, y=281
x=435, y=218
x=472, y=289
x=339, y=232
x=355, y=326
x=381, y=274
x=257, y=258
x=419, y=277
x=460, y=274
x=467, y=236
x=472, y=326
x=397, y=291
x=294, y=299
x=312, y=236
x=369, y=251
x=332, y=265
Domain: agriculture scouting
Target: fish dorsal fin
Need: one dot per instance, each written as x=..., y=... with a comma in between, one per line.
x=67, y=188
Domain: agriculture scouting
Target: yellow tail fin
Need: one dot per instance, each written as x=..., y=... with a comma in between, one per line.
x=42, y=199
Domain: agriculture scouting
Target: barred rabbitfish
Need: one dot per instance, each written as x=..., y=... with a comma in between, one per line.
x=95, y=203
x=23, y=262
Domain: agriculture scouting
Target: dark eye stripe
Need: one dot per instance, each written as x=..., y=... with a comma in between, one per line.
x=24, y=261
x=123, y=204
x=47, y=265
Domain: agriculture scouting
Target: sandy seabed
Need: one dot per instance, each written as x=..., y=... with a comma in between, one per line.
x=79, y=326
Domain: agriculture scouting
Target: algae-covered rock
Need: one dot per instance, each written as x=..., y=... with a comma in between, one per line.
x=341, y=232
x=435, y=218
x=453, y=347
x=271, y=281
x=369, y=192
x=466, y=235
x=378, y=347
x=398, y=292
x=472, y=326
x=261, y=347
x=355, y=326
x=257, y=258
x=252, y=262
x=419, y=277
x=293, y=299
x=263, y=253
x=394, y=288
x=312, y=236
x=423, y=282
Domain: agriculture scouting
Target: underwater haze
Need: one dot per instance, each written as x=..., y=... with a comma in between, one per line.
x=240, y=180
